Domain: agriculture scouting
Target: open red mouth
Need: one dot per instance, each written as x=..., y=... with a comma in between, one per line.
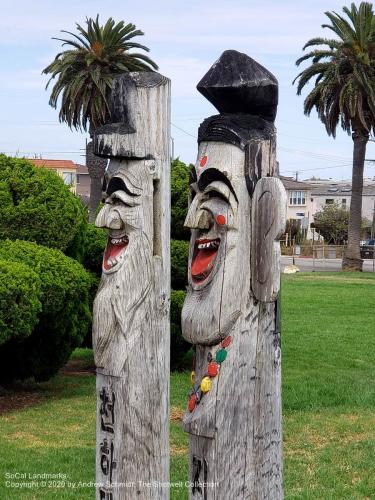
x=205, y=252
x=113, y=252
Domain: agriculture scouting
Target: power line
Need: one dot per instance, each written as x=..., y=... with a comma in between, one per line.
x=182, y=130
x=318, y=168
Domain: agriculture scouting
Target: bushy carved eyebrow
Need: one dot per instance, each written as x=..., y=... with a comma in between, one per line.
x=211, y=175
x=117, y=184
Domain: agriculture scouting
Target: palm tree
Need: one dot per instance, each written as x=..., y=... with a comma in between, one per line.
x=344, y=91
x=83, y=76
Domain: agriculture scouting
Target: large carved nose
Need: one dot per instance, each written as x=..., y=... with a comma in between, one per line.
x=196, y=217
x=109, y=218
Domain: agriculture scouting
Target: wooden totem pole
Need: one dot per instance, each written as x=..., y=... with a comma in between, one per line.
x=131, y=309
x=231, y=312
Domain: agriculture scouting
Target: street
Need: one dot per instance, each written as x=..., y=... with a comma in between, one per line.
x=306, y=264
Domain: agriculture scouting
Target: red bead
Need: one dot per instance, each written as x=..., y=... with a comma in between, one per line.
x=192, y=402
x=203, y=161
x=220, y=219
x=213, y=369
x=226, y=342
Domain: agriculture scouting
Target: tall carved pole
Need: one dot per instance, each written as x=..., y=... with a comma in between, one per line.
x=231, y=312
x=131, y=309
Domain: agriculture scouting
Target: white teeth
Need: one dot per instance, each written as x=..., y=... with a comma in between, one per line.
x=210, y=244
x=116, y=241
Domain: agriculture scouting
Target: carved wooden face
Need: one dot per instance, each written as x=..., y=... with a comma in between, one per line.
x=121, y=213
x=219, y=217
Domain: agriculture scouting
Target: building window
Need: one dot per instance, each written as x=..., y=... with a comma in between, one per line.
x=329, y=201
x=343, y=202
x=297, y=198
x=77, y=179
x=69, y=178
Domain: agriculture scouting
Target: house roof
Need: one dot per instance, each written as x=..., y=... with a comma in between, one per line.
x=44, y=162
x=82, y=169
x=340, y=189
x=290, y=183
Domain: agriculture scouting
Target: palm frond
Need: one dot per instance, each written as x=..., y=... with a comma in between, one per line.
x=82, y=75
x=344, y=90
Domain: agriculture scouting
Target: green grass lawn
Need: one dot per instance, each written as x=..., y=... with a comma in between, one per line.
x=328, y=333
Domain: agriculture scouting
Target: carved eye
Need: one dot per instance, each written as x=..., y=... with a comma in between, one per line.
x=123, y=198
x=218, y=190
x=212, y=193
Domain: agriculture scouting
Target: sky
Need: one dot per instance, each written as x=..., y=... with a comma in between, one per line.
x=185, y=39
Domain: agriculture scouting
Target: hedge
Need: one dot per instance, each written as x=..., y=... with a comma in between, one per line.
x=36, y=205
x=63, y=320
x=20, y=304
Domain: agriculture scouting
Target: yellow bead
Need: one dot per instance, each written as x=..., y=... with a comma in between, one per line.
x=206, y=384
x=192, y=378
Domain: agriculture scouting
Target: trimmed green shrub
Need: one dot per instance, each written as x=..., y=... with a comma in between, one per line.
x=95, y=243
x=179, y=263
x=36, y=205
x=179, y=199
x=180, y=349
x=19, y=301
x=63, y=321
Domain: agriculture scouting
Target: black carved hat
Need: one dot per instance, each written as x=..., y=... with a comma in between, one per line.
x=246, y=96
x=236, y=83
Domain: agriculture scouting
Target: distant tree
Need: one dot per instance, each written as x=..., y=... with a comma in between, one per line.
x=332, y=223
x=344, y=92
x=293, y=229
x=84, y=74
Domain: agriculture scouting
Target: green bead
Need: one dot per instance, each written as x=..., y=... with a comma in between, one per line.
x=221, y=355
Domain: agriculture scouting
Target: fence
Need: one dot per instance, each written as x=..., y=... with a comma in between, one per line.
x=322, y=256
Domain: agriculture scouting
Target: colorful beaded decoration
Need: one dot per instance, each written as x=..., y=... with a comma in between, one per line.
x=213, y=368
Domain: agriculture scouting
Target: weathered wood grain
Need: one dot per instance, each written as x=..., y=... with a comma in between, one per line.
x=269, y=217
x=235, y=430
x=131, y=311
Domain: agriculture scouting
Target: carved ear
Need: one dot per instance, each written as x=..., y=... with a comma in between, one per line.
x=268, y=224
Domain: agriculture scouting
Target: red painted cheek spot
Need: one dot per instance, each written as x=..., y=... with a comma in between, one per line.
x=203, y=161
x=220, y=219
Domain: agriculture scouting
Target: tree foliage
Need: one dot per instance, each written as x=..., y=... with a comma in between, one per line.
x=179, y=263
x=84, y=72
x=179, y=347
x=344, y=92
x=179, y=198
x=64, y=317
x=95, y=243
x=36, y=205
x=332, y=223
x=20, y=305
x=344, y=71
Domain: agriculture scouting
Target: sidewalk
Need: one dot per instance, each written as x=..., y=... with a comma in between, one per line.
x=307, y=264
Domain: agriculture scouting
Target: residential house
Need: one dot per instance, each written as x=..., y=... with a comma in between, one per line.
x=66, y=169
x=83, y=183
x=299, y=203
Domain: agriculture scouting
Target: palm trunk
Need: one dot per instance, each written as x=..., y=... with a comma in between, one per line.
x=96, y=167
x=352, y=260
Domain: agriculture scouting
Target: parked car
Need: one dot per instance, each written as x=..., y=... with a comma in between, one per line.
x=367, y=249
